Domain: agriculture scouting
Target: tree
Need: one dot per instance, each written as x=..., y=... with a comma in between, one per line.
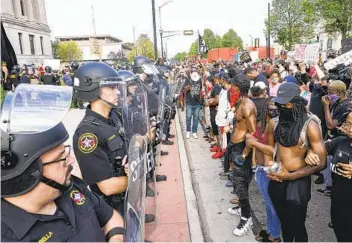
x=193, y=51
x=337, y=16
x=69, y=51
x=180, y=56
x=211, y=40
x=144, y=47
x=55, y=49
x=231, y=39
x=291, y=21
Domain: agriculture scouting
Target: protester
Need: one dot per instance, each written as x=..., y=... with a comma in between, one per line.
x=290, y=189
x=193, y=87
x=275, y=82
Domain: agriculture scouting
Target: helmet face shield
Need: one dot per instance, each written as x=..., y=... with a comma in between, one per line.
x=113, y=92
x=35, y=108
x=150, y=69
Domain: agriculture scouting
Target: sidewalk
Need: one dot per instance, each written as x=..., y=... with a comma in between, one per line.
x=173, y=223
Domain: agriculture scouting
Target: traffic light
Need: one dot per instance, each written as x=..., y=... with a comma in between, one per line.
x=256, y=43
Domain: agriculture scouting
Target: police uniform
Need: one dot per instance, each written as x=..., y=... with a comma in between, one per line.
x=99, y=151
x=79, y=217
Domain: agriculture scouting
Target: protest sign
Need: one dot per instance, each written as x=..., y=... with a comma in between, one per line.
x=311, y=53
x=343, y=59
x=299, y=52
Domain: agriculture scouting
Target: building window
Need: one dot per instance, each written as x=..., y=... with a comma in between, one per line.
x=22, y=8
x=41, y=45
x=31, y=44
x=20, y=41
x=329, y=44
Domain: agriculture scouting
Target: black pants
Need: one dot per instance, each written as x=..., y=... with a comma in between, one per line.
x=290, y=199
x=242, y=176
x=341, y=210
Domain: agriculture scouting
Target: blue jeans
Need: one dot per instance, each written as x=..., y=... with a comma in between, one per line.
x=192, y=110
x=272, y=220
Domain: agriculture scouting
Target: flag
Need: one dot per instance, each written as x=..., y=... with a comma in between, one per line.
x=202, y=47
x=7, y=52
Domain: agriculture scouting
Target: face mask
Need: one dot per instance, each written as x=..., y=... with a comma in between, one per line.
x=332, y=97
x=275, y=80
x=273, y=113
x=286, y=114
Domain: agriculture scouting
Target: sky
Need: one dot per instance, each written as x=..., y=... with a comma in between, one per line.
x=118, y=17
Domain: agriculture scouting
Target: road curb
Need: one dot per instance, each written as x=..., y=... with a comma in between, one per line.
x=195, y=228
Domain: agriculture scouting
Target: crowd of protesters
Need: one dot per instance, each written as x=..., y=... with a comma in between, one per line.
x=254, y=114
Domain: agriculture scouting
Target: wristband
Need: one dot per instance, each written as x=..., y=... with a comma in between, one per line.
x=114, y=231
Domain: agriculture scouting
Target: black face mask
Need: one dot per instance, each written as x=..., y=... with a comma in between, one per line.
x=286, y=115
x=273, y=113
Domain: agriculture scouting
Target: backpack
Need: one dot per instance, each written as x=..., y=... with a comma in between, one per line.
x=303, y=135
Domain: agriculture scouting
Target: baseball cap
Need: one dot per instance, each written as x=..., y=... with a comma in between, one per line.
x=261, y=85
x=290, y=79
x=286, y=92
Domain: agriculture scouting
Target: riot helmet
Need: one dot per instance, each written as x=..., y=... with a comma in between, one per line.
x=87, y=80
x=30, y=126
x=74, y=66
x=47, y=69
x=141, y=64
x=164, y=72
x=16, y=68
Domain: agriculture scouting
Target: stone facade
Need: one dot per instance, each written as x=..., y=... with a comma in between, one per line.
x=26, y=27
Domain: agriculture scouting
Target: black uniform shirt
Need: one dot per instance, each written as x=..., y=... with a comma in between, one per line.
x=97, y=144
x=49, y=79
x=79, y=217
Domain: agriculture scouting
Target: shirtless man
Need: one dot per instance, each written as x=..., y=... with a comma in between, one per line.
x=290, y=189
x=241, y=160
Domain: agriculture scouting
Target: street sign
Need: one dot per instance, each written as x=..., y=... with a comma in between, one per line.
x=95, y=47
x=188, y=32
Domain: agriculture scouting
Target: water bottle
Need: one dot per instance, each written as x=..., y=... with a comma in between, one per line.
x=275, y=168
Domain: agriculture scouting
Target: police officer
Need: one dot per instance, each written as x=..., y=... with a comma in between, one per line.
x=15, y=75
x=76, y=103
x=147, y=73
x=48, y=78
x=98, y=144
x=25, y=78
x=41, y=200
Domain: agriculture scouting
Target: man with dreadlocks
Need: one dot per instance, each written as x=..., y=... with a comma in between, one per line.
x=291, y=135
x=245, y=122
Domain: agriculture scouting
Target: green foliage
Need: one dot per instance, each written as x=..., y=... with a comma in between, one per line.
x=193, y=51
x=231, y=39
x=337, y=16
x=144, y=46
x=180, y=56
x=69, y=51
x=212, y=41
x=55, y=49
x=292, y=21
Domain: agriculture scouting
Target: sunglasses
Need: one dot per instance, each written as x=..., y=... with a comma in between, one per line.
x=65, y=159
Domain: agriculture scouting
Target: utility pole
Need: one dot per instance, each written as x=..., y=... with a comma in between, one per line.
x=154, y=30
x=268, y=52
x=161, y=35
x=134, y=40
x=94, y=29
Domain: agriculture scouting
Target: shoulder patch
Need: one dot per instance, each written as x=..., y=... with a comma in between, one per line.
x=78, y=197
x=87, y=143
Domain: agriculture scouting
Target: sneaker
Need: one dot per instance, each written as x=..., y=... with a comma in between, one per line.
x=326, y=191
x=149, y=218
x=236, y=210
x=319, y=180
x=188, y=135
x=195, y=135
x=243, y=227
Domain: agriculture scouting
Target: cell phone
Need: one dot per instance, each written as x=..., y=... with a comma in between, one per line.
x=344, y=157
